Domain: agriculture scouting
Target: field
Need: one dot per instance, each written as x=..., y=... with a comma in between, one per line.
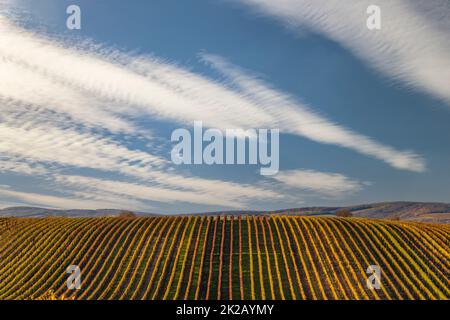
x=226, y=257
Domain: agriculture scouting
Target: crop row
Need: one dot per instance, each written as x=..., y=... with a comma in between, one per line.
x=223, y=257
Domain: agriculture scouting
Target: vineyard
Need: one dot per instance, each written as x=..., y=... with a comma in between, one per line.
x=226, y=257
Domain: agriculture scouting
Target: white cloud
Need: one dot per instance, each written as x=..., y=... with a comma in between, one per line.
x=72, y=148
x=145, y=85
x=61, y=107
x=412, y=46
x=24, y=87
x=31, y=198
x=68, y=148
x=322, y=183
x=297, y=118
x=194, y=191
x=17, y=165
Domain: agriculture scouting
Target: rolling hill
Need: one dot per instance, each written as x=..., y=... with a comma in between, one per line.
x=223, y=257
x=403, y=210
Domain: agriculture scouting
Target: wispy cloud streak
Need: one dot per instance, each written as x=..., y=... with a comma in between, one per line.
x=322, y=183
x=169, y=92
x=297, y=118
x=62, y=107
x=412, y=46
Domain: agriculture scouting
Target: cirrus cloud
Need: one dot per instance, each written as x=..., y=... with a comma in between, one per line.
x=412, y=45
x=63, y=107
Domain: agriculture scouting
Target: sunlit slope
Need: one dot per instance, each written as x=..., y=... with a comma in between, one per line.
x=257, y=257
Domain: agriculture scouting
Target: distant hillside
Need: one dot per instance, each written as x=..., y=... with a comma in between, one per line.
x=403, y=210
x=417, y=211
x=35, y=212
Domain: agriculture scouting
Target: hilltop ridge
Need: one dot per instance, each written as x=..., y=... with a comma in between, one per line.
x=403, y=210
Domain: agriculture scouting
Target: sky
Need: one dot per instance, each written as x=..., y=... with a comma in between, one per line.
x=87, y=114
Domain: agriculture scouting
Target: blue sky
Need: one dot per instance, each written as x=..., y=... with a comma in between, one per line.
x=87, y=114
